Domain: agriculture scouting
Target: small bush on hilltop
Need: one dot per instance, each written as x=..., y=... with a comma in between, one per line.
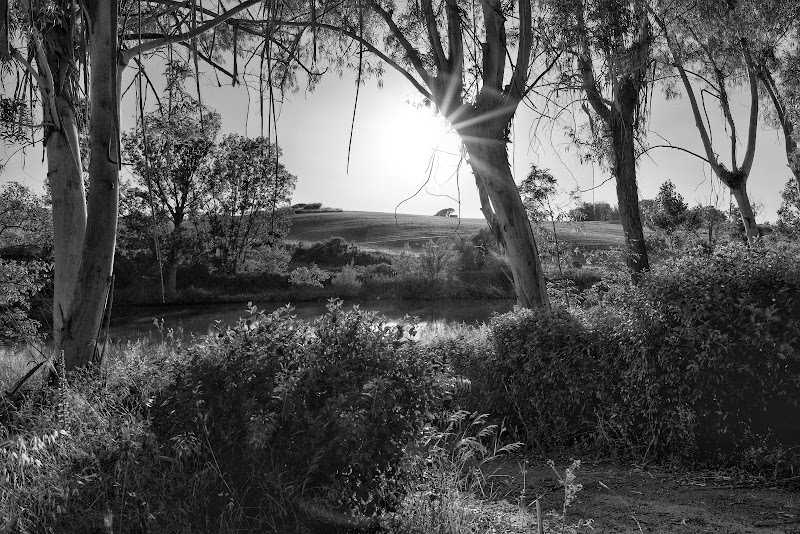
x=303, y=417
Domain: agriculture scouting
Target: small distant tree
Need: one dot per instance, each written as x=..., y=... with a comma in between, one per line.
x=668, y=211
x=789, y=212
x=535, y=190
x=709, y=217
x=447, y=212
x=249, y=191
x=594, y=211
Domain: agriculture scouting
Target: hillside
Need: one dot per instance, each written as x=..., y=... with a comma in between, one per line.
x=387, y=231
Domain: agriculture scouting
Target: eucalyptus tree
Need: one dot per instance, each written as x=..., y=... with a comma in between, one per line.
x=58, y=54
x=609, y=62
x=709, y=43
x=778, y=68
x=476, y=62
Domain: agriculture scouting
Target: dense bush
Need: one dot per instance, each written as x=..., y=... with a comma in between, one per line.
x=297, y=414
x=336, y=252
x=713, y=340
x=702, y=358
x=19, y=284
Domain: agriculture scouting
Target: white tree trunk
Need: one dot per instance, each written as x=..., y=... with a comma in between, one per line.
x=64, y=174
x=97, y=255
x=746, y=211
x=489, y=162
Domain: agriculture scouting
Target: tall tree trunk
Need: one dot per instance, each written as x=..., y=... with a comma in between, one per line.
x=64, y=174
x=628, y=196
x=506, y=215
x=57, y=86
x=97, y=256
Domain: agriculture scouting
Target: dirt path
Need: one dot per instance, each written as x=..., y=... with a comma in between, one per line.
x=655, y=500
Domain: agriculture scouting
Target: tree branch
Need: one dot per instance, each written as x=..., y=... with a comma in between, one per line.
x=143, y=48
x=518, y=88
x=433, y=35
x=752, y=127
x=676, y=148
x=369, y=46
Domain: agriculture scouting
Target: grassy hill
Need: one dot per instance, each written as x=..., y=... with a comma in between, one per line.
x=387, y=231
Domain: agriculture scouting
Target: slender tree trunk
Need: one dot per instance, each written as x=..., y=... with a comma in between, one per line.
x=751, y=229
x=628, y=197
x=97, y=256
x=64, y=175
x=489, y=162
x=171, y=278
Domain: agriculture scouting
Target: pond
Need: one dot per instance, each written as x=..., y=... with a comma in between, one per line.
x=138, y=322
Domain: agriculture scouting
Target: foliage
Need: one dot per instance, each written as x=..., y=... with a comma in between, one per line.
x=702, y=358
x=336, y=252
x=708, y=219
x=24, y=219
x=347, y=279
x=167, y=151
x=297, y=414
x=309, y=276
x=667, y=211
x=19, y=283
x=594, y=211
x=789, y=212
x=82, y=458
x=271, y=259
x=249, y=192
x=535, y=191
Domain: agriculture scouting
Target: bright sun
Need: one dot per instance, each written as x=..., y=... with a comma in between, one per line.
x=425, y=131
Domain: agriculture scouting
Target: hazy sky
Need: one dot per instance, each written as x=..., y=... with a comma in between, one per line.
x=398, y=147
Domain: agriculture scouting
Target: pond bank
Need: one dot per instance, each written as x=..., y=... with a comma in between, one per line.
x=185, y=320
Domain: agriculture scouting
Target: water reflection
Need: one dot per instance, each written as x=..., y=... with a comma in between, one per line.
x=137, y=322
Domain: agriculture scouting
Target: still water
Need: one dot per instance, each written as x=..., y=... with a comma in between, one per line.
x=132, y=322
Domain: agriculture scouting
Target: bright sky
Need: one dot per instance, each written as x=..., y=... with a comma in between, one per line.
x=400, y=151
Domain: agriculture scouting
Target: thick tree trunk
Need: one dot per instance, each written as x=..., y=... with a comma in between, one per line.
x=64, y=174
x=751, y=229
x=628, y=198
x=97, y=256
x=489, y=162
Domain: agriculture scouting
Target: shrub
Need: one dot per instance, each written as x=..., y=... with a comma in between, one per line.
x=347, y=280
x=267, y=259
x=336, y=252
x=716, y=338
x=547, y=367
x=19, y=283
x=308, y=276
x=304, y=415
x=702, y=359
